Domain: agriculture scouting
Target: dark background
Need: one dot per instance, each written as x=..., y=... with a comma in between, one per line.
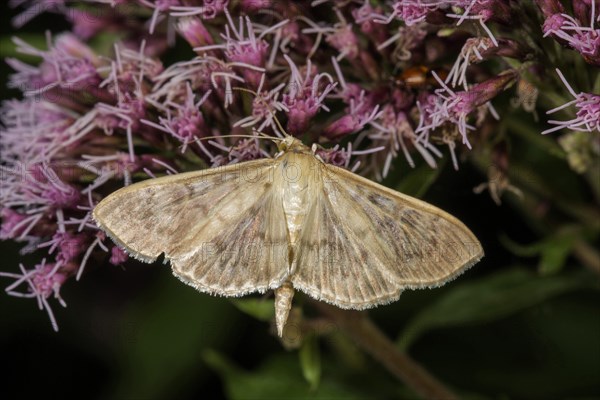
x=137, y=332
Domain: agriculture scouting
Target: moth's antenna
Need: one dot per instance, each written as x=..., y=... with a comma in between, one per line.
x=264, y=136
x=278, y=123
x=241, y=89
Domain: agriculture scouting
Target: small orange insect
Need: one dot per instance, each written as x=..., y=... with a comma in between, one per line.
x=420, y=76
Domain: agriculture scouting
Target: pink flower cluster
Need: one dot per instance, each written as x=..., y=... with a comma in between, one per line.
x=334, y=73
x=579, y=32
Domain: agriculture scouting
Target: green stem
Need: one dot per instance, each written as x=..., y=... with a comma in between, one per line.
x=587, y=255
x=358, y=326
x=526, y=178
x=588, y=216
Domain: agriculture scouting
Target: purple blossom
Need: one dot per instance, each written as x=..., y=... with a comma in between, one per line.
x=43, y=281
x=41, y=198
x=585, y=40
x=87, y=24
x=345, y=41
x=126, y=75
x=469, y=54
x=341, y=157
x=554, y=23
x=244, y=150
x=406, y=39
x=585, y=10
x=340, y=36
x=478, y=49
x=353, y=122
x=363, y=16
x=335, y=156
x=447, y=106
x=587, y=116
x=345, y=125
x=411, y=12
x=288, y=35
x=118, y=256
x=264, y=106
x=67, y=246
x=160, y=7
x=251, y=6
x=209, y=10
x=188, y=123
x=356, y=98
x=125, y=82
x=248, y=50
x=395, y=133
x=483, y=11
x=111, y=166
x=305, y=96
x=204, y=73
x=69, y=65
x=35, y=8
x=40, y=185
x=195, y=32
x=126, y=117
x=13, y=224
x=58, y=194
x=34, y=129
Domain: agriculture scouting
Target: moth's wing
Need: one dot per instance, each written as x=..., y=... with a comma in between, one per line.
x=362, y=243
x=222, y=229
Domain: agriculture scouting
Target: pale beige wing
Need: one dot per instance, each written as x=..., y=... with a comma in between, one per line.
x=362, y=243
x=222, y=229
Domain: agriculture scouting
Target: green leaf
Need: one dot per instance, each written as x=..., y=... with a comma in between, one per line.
x=531, y=133
x=416, y=182
x=261, y=309
x=163, y=335
x=310, y=361
x=104, y=42
x=280, y=378
x=9, y=49
x=527, y=250
x=553, y=249
x=596, y=87
x=491, y=298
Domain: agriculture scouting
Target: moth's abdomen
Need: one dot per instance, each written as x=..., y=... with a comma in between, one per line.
x=283, y=305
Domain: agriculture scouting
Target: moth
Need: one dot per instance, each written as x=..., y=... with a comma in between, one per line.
x=286, y=223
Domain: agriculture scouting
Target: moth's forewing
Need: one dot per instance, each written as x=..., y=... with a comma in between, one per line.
x=362, y=243
x=212, y=225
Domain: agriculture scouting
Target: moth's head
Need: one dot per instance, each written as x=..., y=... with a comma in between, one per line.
x=290, y=143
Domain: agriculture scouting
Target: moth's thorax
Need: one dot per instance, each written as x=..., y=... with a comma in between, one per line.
x=300, y=174
x=292, y=145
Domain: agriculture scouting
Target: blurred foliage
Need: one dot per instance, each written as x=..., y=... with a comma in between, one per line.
x=499, y=295
x=278, y=378
x=553, y=250
x=416, y=182
x=261, y=309
x=164, y=335
x=310, y=361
